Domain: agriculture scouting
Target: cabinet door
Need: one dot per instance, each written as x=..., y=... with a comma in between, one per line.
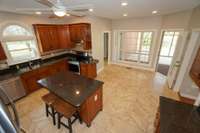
x=54, y=37
x=47, y=36
x=43, y=37
x=64, y=37
x=195, y=69
x=2, y=53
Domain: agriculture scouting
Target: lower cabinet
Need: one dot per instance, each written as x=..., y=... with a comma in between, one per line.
x=29, y=79
x=88, y=69
x=92, y=106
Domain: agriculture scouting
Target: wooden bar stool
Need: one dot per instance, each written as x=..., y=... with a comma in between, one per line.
x=49, y=100
x=66, y=110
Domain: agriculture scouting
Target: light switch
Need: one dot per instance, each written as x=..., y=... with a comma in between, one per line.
x=95, y=97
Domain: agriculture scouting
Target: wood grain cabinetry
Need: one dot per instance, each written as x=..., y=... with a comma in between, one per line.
x=52, y=37
x=88, y=69
x=2, y=53
x=92, y=106
x=195, y=69
x=29, y=79
x=64, y=37
x=81, y=33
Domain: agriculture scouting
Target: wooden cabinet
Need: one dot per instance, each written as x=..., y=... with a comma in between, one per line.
x=2, y=53
x=195, y=69
x=81, y=33
x=64, y=37
x=92, y=106
x=29, y=79
x=88, y=69
x=47, y=37
x=52, y=37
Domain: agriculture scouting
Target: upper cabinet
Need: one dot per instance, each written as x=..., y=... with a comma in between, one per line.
x=2, y=53
x=52, y=37
x=81, y=33
x=64, y=37
x=195, y=69
x=55, y=37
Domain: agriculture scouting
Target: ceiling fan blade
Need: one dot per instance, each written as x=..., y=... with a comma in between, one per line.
x=76, y=14
x=54, y=17
x=46, y=3
x=80, y=10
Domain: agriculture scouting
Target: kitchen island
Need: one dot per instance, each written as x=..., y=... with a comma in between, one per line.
x=178, y=117
x=83, y=93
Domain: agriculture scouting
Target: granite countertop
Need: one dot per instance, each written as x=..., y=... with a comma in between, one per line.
x=177, y=117
x=73, y=88
x=15, y=72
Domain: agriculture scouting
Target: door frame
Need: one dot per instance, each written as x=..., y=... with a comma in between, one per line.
x=109, y=45
x=185, y=62
x=160, y=43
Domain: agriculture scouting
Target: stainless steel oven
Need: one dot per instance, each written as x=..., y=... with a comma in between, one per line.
x=74, y=66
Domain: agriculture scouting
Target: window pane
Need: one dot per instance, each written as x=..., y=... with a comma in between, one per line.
x=18, y=45
x=146, y=42
x=135, y=46
x=21, y=50
x=15, y=30
x=144, y=59
x=173, y=47
x=166, y=44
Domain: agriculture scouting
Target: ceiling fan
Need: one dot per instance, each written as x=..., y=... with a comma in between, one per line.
x=60, y=10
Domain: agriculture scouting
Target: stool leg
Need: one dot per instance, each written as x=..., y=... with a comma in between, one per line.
x=70, y=125
x=59, y=117
x=47, y=109
x=79, y=118
x=53, y=115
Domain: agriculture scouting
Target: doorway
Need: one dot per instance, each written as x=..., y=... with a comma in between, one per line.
x=106, y=41
x=168, y=45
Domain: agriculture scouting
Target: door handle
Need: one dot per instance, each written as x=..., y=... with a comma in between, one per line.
x=177, y=64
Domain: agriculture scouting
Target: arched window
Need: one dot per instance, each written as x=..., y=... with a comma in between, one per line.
x=19, y=44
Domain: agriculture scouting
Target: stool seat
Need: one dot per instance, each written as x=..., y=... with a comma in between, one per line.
x=63, y=108
x=49, y=98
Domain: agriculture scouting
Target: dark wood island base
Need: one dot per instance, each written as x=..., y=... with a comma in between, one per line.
x=90, y=108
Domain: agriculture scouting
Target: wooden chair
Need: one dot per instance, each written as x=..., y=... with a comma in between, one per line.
x=66, y=110
x=49, y=100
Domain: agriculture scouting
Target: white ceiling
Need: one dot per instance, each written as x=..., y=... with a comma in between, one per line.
x=112, y=8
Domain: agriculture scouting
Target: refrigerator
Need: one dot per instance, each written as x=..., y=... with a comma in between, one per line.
x=9, y=120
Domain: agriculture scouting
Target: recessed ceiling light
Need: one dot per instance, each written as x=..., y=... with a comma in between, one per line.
x=154, y=12
x=124, y=4
x=68, y=14
x=125, y=14
x=38, y=13
x=91, y=10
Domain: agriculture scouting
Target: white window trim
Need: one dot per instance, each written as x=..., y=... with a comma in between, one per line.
x=16, y=38
x=152, y=50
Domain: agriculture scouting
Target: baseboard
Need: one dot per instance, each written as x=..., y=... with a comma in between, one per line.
x=99, y=70
x=136, y=67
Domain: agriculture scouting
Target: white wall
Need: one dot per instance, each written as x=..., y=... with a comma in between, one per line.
x=178, y=20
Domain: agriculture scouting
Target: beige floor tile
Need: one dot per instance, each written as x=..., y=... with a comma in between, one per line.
x=130, y=99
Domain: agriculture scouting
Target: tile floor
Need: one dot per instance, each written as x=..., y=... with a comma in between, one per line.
x=130, y=100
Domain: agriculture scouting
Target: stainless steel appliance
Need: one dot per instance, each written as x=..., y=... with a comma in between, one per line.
x=13, y=88
x=9, y=121
x=74, y=66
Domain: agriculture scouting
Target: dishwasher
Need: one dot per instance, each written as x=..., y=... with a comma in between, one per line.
x=14, y=88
